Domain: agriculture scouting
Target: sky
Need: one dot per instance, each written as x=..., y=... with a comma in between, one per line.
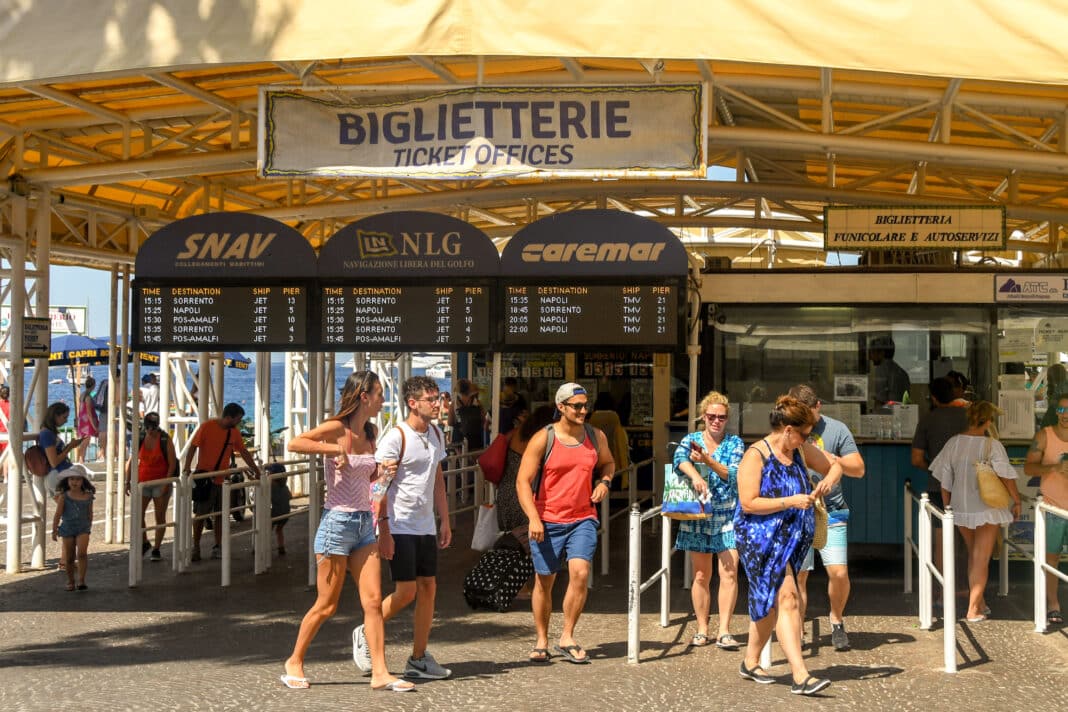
x=84, y=287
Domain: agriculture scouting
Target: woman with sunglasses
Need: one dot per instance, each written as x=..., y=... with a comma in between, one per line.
x=774, y=527
x=345, y=541
x=710, y=458
x=156, y=460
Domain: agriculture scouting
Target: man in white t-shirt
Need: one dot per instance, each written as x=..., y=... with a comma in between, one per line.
x=407, y=533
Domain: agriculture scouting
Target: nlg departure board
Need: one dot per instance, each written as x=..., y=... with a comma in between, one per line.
x=539, y=315
x=192, y=317
x=402, y=317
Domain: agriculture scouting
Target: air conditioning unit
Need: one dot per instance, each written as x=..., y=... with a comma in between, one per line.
x=716, y=263
x=146, y=212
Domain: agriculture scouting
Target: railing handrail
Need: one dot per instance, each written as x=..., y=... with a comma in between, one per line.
x=928, y=570
x=636, y=586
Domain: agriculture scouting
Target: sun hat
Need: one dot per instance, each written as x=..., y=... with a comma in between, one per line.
x=76, y=470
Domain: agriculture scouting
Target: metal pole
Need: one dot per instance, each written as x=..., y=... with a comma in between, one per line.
x=42, y=261
x=908, y=536
x=119, y=530
x=949, y=599
x=17, y=421
x=226, y=549
x=925, y=564
x=109, y=426
x=1040, y=574
x=665, y=579
x=634, y=585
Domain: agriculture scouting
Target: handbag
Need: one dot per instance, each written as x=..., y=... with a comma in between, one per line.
x=991, y=489
x=819, y=536
x=492, y=461
x=486, y=531
x=680, y=500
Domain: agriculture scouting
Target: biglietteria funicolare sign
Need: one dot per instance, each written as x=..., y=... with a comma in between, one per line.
x=914, y=228
x=485, y=132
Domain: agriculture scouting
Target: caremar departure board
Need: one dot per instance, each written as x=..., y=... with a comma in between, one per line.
x=554, y=316
x=201, y=317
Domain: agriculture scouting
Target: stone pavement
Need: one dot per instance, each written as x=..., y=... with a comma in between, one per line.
x=184, y=643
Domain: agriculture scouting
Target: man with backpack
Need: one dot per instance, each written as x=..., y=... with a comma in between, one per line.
x=407, y=534
x=215, y=443
x=566, y=471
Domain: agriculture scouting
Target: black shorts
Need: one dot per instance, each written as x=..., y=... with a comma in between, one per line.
x=414, y=556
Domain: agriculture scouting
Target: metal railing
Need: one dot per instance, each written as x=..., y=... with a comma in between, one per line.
x=607, y=516
x=137, y=558
x=636, y=586
x=927, y=570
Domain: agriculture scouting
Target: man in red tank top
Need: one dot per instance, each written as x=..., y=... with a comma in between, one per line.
x=574, y=477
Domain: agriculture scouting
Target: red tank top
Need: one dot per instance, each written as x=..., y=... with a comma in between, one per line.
x=567, y=483
x=151, y=464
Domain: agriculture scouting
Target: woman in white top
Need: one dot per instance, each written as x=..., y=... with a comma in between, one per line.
x=978, y=523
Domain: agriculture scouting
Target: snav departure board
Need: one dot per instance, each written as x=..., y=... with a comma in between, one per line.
x=402, y=316
x=591, y=314
x=203, y=318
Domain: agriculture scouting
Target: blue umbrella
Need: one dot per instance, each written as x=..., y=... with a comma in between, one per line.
x=74, y=349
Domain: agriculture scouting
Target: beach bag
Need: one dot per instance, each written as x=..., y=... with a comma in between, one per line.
x=492, y=461
x=486, y=531
x=991, y=489
x=36, y=461
x=819, y=509
x=498, y=576
x=680, y=499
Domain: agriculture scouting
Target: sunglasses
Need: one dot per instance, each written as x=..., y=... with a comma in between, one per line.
x=1061, y=409
x=577, y=406
x=713, y=416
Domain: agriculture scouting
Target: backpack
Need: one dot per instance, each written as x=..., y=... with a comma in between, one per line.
x=498, y=576
x=550, y=438
x=100, y=398
x=36, y=461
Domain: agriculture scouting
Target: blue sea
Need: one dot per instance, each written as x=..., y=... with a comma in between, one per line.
x=239, y=386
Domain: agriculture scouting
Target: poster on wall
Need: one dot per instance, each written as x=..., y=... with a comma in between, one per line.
x=1051, y=334
x=851, y=389
x=1017, y=420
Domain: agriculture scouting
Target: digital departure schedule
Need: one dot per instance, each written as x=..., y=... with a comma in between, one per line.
x=540, y=315
x=203, y=318
x=400, y=316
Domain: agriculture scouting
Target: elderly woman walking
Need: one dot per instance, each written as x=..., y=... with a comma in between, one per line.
x=774, y=527
x=977, y=522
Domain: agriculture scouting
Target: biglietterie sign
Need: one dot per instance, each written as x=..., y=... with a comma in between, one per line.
x=486, y=132
x=914, y=228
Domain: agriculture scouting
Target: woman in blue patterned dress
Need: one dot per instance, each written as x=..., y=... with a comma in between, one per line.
x=710, y=457
x=773, y=527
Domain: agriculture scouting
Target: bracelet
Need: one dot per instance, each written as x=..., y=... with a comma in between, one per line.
x=606, y=483
x=383, y=519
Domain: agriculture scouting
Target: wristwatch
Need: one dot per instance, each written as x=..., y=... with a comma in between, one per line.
x=606, y=483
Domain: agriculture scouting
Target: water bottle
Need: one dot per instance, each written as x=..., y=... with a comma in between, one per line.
x=382, y=483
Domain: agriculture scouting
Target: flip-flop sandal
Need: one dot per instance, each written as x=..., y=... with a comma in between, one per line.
x=70, y=587
x=700, y=640
x=295, y=683
x=568, y=651
x=395, y=686
x=539, y=655
x=82, y=587
x=1054, y=618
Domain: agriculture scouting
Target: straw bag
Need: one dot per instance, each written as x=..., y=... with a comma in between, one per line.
x=819, y=539
x=991, y=489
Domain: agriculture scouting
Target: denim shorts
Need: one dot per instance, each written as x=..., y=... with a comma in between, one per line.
x=342, y=533
x=836, y=551
x=156, y=491
x=563, y=542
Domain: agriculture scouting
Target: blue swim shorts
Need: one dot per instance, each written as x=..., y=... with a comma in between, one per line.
x=1056, y=533
x=342, y=533
x=563, y=542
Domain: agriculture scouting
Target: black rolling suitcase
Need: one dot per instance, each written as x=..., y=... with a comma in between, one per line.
x=498, y=576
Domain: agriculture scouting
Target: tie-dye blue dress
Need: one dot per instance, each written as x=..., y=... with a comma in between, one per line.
x=768, y=542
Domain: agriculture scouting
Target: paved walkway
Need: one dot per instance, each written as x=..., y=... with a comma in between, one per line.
x=184, y=643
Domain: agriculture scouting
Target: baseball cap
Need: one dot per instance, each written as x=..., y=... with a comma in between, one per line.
x=567, y=391
x=148, y=378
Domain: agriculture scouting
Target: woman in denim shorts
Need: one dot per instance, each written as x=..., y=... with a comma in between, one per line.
x=346, y=537
x=710, y=457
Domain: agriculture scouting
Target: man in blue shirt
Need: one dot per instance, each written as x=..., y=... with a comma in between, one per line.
x=834, y=438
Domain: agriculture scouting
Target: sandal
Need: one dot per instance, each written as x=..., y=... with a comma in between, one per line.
x=539, y=655
x=1054, y=617
x=727, y=642
x=571, y=652
x=700, y=640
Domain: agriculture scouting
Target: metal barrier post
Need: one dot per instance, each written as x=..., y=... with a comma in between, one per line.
x=1040, y=574
x=949, y=599
x=632, y=484
x=634, y=583
x=606, y=524
x=908, y=536
x=226, y=532
x=665, y=565
x=925, y=564
x=1003, y=562
x=262, y=512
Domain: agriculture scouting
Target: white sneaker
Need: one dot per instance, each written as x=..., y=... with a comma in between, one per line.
x=426, y=668
x=361, y=653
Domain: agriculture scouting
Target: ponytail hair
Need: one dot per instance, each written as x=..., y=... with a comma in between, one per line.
x=790, y=411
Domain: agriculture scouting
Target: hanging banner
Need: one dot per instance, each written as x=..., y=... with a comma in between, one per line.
x=918, y=227
x=597, y=131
